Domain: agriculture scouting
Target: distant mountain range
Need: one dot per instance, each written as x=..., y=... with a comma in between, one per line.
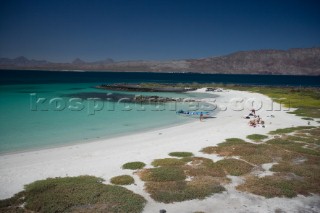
x=299, y=61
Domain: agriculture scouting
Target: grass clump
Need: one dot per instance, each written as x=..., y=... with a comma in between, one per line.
x=13, y=204
x=196, y=180
x=306, y=168
x=224, y=148
x=289, y=130
x=253, y=153
x=178, y=191
x=298, y=168
x=274, y=186
x=168, y=162
x=122, y=180
x=181, y=154
x=232, y=141
x=203, y=167
x=133, y=165
x=257, y=137
x=75, y=194
x=162, y=174
x=235, y=167
x=292, y=146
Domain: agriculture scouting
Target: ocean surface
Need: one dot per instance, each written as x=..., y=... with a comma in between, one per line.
x=39, y=109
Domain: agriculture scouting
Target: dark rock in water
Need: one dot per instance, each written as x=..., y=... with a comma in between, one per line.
x=138, y=88
x=102, y=96
x=128, y=98
x=76, y=88
x=163, y=211
x=152, y=99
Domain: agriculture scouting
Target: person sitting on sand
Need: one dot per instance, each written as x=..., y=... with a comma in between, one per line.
x=258, y=119
x=252, y=123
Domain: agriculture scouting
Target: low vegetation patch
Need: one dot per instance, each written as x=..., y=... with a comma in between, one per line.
x=73, y=194
x=257, y=137
x=204, y=167
x=297, y=171
x=177, y=191
x=200, y=178
x=297, y=147
x=275, y=186
x=181, y=154
x=168, y=162
x=232, y=141
x=289, y=130
x=163, y=174
x=235, y=167
x=253, y=153
x=134, y=165
x=122, y=180
x=296, y=151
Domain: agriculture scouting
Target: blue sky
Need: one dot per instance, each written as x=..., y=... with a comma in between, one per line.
x=153, y=30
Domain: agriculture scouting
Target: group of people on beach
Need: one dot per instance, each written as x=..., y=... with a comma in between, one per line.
x=256, y=119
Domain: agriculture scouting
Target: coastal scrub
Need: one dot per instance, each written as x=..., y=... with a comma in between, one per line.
x=133, y=165
x=73, y=194
x=122, y=180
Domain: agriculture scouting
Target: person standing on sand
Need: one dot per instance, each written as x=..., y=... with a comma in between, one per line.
x=201, y=116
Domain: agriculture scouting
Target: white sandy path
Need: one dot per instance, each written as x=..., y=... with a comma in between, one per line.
x=103, y=158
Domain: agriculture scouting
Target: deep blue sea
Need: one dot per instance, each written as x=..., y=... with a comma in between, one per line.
x=46, y=77
x=37, y=111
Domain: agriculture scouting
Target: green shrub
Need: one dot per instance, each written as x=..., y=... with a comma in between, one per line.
x=122, y=180
x=257, y=137
x=168, y=162
x=289, y=130
x=76, y=194
x=133, y=165
x=235, y=167
x=273, y=186
x=181, y=154
x=178, y=191
x=232, y=141
x=163, y=174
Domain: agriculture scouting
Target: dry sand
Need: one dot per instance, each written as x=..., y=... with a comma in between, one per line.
x=104, y=158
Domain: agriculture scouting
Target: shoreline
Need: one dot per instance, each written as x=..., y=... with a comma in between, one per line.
x=104, y=158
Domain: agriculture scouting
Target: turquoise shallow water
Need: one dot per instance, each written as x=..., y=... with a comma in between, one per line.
x=23, y=127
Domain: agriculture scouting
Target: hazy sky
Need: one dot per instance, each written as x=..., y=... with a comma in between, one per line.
x=61, y=30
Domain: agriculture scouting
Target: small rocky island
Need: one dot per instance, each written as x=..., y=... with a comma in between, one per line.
x=135, y=98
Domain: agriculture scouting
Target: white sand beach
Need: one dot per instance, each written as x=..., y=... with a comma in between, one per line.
x=104, y=158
